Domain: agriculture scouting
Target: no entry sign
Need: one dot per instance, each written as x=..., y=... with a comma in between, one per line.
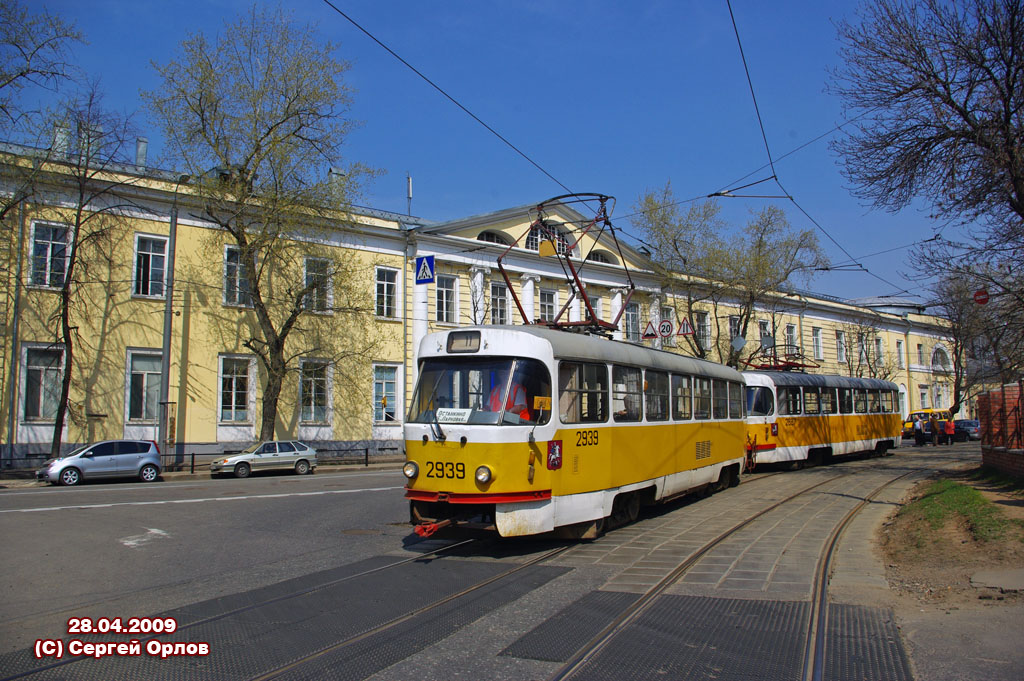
x=981, y=296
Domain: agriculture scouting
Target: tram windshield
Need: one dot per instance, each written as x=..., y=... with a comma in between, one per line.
x=760, y=401
x=482, y=391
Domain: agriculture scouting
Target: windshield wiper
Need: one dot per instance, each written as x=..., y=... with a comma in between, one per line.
x=435, y=425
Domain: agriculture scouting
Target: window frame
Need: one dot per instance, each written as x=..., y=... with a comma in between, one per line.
x=551, y=307
x=631, y=322
x=389, y=309
x=451, y=297
x=250, y=363
x=656, y=395
x=239, y=278
x=49, y=259
x=139, y=237
x=498, y=312
x=26, y=369
x=312, y=417
x=130, y=385
x=380, y=388
x=311, y=303
x=584, y=380
x=818, y=347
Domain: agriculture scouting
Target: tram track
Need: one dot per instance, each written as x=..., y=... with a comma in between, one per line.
x=296, y=666
x=814, y=653
x=260, y=604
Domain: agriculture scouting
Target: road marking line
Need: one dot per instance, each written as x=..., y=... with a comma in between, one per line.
x=200, y=500
x=137, y=540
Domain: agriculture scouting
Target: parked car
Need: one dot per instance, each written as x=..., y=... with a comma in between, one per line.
x=967, y=429
x=108, y=459
x=265, y=456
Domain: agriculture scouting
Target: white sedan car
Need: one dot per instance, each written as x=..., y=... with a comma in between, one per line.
x=265, y=456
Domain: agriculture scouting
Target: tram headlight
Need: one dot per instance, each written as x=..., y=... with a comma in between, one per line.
x=483, y=475
x=410, y=469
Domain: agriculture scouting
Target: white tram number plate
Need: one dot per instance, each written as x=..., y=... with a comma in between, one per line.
x=586, y=438
x=446, y=469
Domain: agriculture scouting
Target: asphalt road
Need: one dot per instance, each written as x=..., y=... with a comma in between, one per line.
x=136, y=549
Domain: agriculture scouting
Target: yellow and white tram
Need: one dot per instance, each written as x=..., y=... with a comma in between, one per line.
x=525, y=429
x=796, y=417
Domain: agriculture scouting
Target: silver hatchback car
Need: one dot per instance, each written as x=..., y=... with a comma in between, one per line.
x=109, y=459
x=265, y=456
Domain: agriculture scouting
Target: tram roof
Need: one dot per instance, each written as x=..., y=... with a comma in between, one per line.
x=825, y=381
x=582, y=346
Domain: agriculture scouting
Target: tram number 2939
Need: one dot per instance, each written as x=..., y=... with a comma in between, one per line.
x=586, y=438
x=446, y=469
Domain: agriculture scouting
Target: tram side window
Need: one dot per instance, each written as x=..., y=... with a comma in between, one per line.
x=682, y=405
x=736, y=405
x=829, y=404
x=656, y=396
x=812, y=404
x=720, y=399
x=874, y=402
x=627, y=393
x=845, y=401
x=860, y=401
x=789, y=401
x=582, y=392
x=701, y=398
x=760, y=401
x=887, y=401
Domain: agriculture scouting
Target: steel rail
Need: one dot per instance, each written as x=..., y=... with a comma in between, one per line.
x=274, y=673
x=642, y=604
x=252, y=606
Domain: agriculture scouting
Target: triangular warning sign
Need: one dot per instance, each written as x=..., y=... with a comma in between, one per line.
x=650, y=332
x=684, y=328
x=425, y=273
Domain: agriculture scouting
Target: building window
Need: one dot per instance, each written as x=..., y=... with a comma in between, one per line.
x=862, y=351
x=734, y=326
x=150, y=265
x=49, y=255
x=879, y=351
x=384, y=407
x=236, y=278
x=595, y=305
x=923, y=391
x=920, y=354
x=791, y=335
x=819, y=350
x=841, y=347
x=499, y=304
x=387, y=288
x=445, y=299
x=313, y=392
x=547, y=305
x=43, y=373
x=234, y=389
x=547, y=232
x=318, y=276
x=899, y=355
x=765, y=331
x=631, y=324
x=703, y=330
x=143, y=387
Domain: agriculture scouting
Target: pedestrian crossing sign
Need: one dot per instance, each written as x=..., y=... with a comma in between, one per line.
x=425, y=269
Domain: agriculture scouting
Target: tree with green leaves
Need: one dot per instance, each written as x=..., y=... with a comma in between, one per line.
x=257, y=117
x=706, y=266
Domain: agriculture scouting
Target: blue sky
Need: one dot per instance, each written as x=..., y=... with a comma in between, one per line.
x=608, y=97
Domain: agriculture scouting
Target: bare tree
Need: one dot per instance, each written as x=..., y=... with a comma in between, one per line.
x=257, y=117
x=88, y=206
x=940, y=88
x=864, y=359
x=705, y=266
x=34, y=57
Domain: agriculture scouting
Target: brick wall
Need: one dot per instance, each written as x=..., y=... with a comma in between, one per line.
x=1002, y=429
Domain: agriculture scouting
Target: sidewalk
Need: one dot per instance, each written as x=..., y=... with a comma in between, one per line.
x=21, y=478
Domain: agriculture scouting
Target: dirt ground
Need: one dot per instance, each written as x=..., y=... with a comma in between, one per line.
x=925, y=566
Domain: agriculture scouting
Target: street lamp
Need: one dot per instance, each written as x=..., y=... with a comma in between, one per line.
x=165, y=357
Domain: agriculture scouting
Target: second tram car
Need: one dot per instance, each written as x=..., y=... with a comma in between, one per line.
x=525, y=429
x=800, y=418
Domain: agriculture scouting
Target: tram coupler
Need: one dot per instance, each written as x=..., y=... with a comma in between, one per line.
x=426, y=529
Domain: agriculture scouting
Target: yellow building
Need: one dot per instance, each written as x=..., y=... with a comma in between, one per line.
x=351, y=366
